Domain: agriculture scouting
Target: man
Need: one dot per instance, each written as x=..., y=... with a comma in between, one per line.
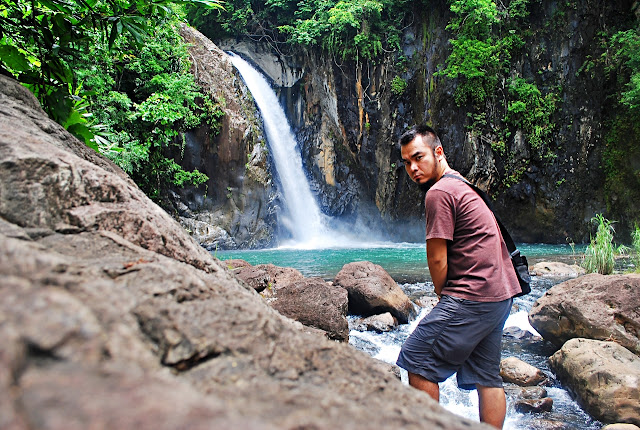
x=473, y=276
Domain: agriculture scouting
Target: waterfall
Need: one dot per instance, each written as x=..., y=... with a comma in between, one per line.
x=302, y=217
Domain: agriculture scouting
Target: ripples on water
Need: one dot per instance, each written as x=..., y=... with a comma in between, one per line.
x=406, y=263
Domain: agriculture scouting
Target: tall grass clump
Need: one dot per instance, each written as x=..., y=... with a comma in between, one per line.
x=599, y=256
x=635, y=236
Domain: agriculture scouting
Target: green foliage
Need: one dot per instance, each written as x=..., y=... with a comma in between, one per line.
x=621, y=59
x=486, y=35
x=635, y=237
x=626, y=53
x=351, y=29
x=354, y=29
x=128, y=97
x=473, y=18
x=145, y=97
x=531, y=112
x=398, y=85
x=600, y=254
x=39, y=39
x=480, y=52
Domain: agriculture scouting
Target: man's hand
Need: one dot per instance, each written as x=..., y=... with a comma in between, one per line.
x=437, y=260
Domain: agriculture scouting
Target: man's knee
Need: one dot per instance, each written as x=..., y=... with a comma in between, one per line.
x=423, y=384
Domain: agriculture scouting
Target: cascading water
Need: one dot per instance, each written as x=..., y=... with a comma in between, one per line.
x=303, y=218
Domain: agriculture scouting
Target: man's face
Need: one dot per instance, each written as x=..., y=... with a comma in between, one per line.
x=421, y=162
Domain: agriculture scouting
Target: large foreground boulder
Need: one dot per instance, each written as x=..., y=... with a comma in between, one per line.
x=605, y=377
x=373, y=291
x=592, y=306
x=112, y=317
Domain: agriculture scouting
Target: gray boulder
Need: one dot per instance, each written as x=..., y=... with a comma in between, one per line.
x=604, y=376
x=313, y=302
x=592, y=306
x=373, y=291
x=111, y=316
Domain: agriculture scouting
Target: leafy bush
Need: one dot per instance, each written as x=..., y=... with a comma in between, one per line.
x=128, y=97
x=599, y=257
x=146, y=98
x=41, y=39
x=354, y=29
x=531, y=112
x=398, y=85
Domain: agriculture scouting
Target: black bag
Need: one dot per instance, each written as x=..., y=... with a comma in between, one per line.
x=520, y=265
x=522, y=271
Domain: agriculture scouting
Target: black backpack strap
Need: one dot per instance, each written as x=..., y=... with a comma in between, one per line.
x=511, y=246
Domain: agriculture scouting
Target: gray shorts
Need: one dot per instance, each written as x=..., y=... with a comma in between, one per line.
x=458, y=336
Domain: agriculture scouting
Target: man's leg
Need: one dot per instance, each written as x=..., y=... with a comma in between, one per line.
x=423, y=384
x=493, y=405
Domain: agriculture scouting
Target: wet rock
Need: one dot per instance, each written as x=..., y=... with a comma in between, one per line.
x=534, y=405
x=604, y=376
x=212, y=237
x=551, y=424
x=315, y=303
x=255, y=277
x=263, y=277
x=518, y=333
x=372, y=291
x=526, y=392
x=237, y=206
x=378, y=323
x=592, y=306
x=518, y=372
x=553, y=269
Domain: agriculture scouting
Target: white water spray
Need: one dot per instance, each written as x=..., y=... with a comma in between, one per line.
x=303, y=218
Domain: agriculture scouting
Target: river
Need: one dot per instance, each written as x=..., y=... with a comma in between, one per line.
x=406, y=263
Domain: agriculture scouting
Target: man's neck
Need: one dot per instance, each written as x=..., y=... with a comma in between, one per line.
x=444, y=168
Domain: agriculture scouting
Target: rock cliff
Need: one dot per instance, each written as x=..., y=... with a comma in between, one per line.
x=238, y=206
x=111, y=316
x=348, y=119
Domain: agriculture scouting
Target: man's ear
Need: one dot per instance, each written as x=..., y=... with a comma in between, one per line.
x=438, y=151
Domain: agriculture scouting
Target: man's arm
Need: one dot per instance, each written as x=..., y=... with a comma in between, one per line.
x=437, y=260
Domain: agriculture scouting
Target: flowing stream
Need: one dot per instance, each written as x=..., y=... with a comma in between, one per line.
x=406, y=263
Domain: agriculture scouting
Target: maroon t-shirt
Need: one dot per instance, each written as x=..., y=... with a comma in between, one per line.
x=479, y=265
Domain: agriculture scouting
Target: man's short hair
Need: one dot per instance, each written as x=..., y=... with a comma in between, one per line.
x=423, y=130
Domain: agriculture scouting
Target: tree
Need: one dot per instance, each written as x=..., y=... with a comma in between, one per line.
x=40, y=38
